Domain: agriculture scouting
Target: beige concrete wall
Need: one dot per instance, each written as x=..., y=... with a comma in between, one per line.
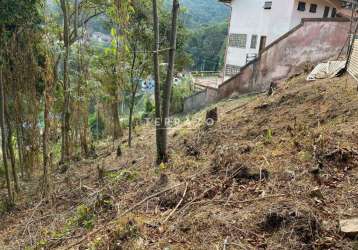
x=200, y=100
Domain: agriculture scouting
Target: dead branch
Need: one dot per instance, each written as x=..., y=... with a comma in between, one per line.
x=122, y=214
x=250, y=200
x=32, y=215
x=225, y=243
x=179, y=203
x=148, y=198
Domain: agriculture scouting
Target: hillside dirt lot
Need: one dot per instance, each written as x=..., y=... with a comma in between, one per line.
x=275, y=172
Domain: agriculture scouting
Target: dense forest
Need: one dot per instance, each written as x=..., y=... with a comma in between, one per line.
x=204, y=27
x=65, y=86
x=76, y=72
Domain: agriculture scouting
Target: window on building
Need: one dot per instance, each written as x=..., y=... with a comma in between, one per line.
x=313, y=8
x=253, y=42
x=334, y=12
x=268, y=5
x=301, y=6
x=326, y=12
x=237, y=40
x=231, y=70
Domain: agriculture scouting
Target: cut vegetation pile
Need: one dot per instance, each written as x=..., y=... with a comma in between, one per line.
x=274, y=172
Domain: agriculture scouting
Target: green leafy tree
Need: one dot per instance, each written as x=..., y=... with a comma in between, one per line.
x=207, y=46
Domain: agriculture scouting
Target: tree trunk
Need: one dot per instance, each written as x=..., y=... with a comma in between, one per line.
x=156, y=77
x=25, y=154
x=117, y=130
x=19, y=151
x=12, y=154
x=131, y=109
x=45, y=141
x=83, y=136
x=83, y=130
x=162, y=156
x=65, y=149
x=19, y=134
x=3, y=138
x=134, y=90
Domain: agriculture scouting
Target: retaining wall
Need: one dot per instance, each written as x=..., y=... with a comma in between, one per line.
x=313, y=41
x=200, y=100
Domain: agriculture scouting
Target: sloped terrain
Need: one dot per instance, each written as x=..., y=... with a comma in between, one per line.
x=275, y=172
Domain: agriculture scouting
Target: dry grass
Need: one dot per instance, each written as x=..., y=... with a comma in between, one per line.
x=275, y=172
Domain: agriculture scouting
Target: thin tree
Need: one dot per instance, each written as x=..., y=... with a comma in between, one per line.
x=65, y=127
x=137, y=37
x=162, y=155
x=49, y=77
x=3, y=138
x=70, y=36
x=156, y=75
x=133, y=88
x=10, y=151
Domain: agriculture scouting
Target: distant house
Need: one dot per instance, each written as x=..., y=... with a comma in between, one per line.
x=254, y=24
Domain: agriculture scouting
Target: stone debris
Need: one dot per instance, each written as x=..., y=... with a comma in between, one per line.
x=349, y=226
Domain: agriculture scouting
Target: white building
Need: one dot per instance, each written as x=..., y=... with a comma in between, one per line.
x=255, y=24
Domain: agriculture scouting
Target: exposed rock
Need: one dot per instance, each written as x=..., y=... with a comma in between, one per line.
x=349, y=226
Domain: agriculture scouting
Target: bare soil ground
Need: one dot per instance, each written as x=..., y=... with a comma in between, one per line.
x=275, y=172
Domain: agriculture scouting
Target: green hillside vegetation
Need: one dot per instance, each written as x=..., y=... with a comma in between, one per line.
x=206, y=45
x=206, y=22
x=204, y=12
